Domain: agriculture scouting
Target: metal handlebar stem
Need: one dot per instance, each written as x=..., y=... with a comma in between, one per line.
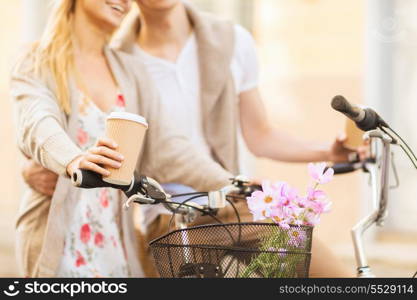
x=379, y=201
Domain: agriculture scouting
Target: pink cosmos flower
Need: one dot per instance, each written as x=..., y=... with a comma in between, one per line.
x=321, y=206
x=280, y=215
x=317, y=201
x=260, y=201
x=313, y=194
x=297, y=238
x=318, y=173
x=282, y=204
x=311, y=219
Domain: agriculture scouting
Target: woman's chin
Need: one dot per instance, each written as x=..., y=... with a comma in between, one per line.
x=109, y=26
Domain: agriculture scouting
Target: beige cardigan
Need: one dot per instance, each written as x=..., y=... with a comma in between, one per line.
x=215, y=40
x=46, y=134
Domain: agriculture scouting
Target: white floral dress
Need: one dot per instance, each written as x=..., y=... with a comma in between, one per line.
x=93, y=243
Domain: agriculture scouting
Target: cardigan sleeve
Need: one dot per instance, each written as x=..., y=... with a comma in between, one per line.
x=171, y=157
x=39, y=122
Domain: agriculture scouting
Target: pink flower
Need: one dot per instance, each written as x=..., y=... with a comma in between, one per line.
x=281, y=203
x=297, y=238
x=99, y=239
x=85, y=233
x=318, y=173
x=260, y=201
x=82, y=137
x=80, y=261
x=321, y=206
x=311, y=219
x=317, y=201
x=313, y=194
x=280, y=215
x=104, y=201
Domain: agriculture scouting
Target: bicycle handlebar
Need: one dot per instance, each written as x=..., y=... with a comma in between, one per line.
x=349, y=167
x=89, y=180
x=146, y=190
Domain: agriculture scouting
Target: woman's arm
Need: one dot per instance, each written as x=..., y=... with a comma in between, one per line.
x=264, y=140
x=40, y=128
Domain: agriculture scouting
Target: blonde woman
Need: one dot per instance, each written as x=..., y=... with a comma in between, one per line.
x=63, y=88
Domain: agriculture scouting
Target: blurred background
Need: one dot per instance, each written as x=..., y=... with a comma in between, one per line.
x=309, y=51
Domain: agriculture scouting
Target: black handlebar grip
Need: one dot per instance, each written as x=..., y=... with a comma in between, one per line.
x=90, y=180
x=343, y=168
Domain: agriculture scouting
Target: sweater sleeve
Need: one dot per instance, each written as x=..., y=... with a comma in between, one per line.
x=40, y=128
x=170, y=157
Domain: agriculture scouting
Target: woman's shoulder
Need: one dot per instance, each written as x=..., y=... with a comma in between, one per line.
x=23, y=61
x=25, y=69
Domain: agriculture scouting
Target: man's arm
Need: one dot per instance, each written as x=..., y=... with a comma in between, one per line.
x=264, y=140
x=39, y=178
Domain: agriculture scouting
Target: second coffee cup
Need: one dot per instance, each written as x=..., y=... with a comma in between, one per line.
x=128, y=131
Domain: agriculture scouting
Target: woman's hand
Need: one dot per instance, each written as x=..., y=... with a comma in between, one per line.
x=97, y=158
x=39, y=178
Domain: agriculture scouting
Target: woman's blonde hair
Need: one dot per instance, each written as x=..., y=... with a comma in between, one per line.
x=54, y=51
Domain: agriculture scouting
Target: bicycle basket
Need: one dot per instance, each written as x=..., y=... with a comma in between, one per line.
x=235, y=250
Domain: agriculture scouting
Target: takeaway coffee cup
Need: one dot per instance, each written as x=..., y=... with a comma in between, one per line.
x=128, y=131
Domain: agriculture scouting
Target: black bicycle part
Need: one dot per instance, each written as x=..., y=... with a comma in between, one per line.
x=200, y=270
x=90, y=180
x=179, y=253
x=349, y=167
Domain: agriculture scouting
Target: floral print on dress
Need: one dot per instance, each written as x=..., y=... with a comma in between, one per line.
x=85, y=233
x=99, y=239
x=104, y=198
x=82, y=137
x=94, y=240
x=79, y=261
x=120, y=101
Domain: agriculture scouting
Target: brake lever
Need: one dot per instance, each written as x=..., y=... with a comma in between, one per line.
x=138, y=199
x=145, y=191
x=152, y=189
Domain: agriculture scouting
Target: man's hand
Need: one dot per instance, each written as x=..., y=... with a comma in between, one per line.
x=38, y=178
x=339, y=153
